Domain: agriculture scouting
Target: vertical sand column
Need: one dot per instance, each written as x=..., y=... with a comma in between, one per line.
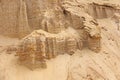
x=23, y=26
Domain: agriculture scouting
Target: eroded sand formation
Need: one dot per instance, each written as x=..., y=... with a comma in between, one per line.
x=76, y=32
x=62, y=31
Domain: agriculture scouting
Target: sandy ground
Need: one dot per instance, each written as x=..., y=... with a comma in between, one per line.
x=84, y=65
x=56, y=69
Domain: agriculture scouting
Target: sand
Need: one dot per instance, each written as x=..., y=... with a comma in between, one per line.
x=83, y=65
